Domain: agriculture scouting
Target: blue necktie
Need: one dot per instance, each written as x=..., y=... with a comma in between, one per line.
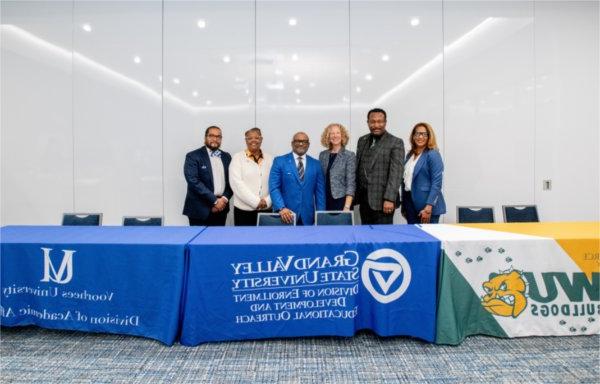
x=300, y=168
x=216, y=153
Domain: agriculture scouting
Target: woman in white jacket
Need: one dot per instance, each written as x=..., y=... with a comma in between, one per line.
x=249, y=178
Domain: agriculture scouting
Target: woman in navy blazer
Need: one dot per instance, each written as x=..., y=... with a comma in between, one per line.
x=422, y=200
x=339, y=168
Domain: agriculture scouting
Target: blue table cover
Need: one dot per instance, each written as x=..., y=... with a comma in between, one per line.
x=252, y=283
x=126, y=280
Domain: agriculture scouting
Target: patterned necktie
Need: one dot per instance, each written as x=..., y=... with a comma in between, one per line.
x=300, y=168
x=216, y=153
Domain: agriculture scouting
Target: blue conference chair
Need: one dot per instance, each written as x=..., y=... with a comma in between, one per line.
x=520, y=214
x=266, y=219
x=334, y=218
x=474, y=215
x=129, y=221
x=93, y=219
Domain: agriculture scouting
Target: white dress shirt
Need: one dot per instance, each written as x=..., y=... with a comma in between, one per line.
x=409, y=169
x=296, y=156
x=218, y=173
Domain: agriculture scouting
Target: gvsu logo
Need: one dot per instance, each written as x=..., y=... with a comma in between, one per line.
x=386, y=274
x=65, y=270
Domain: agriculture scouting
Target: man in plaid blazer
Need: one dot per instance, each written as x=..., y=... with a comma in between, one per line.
x=379, y=171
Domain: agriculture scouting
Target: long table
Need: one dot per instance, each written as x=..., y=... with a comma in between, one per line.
x=126, y=280
x=440, y=283
x=520, y=279
x=254, y=283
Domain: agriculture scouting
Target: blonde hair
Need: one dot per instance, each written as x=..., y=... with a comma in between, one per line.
x=431, y=143
x=325, y=135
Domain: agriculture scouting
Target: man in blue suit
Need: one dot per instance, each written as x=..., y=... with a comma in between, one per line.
x=206, y=171
x=297, y=184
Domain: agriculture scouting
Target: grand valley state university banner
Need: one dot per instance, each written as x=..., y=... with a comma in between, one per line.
x=520, y=279
x=252, y=283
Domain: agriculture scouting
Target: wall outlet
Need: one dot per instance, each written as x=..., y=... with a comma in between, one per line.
x=547, y=185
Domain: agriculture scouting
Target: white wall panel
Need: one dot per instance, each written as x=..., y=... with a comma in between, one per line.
x=489, y=104
x=511, y=88
x=567, y=119
x=117, y=108
x=208, y=80
x=36, y=134
x=302, y=70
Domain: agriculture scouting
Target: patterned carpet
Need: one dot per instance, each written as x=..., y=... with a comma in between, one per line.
x=36, y=355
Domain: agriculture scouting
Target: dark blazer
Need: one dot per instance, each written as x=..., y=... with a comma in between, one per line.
x=426, y=187
x=198, y=173
x=342, y=174
x=288, y=191
x=384, y=173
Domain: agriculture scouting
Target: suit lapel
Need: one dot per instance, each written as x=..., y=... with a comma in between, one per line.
x=206, y=160
x=337, y=158
x=292, y=165
x=378, y=148
x=419, y=164
x=325, y=163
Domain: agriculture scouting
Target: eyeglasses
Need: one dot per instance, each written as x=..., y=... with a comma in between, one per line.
x=301, y=142
x=421, y=134
x=214, y=136
x=253, y=138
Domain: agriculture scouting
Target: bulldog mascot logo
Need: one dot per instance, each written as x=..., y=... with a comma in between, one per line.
x=505, y=294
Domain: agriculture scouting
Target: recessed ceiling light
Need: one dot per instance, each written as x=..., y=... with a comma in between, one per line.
x=176, y=80
x=368, y=77
x=345, y=99
x=278, y=72
x=86, y=27
x=137, y=60
x=195, y=93
x=160, y=78
x=208, y=102
x=296, y=78
x=358, y=89
x=292, y=22
x=385, y=57
x=226, y=59
x=415, y=21
x=247, y=91
x=275, y=86
x=311, y=84
x=297, y=91
x=298, y=101
x=295, y=57
x=201, y=23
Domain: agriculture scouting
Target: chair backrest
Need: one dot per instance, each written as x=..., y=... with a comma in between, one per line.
x=475, y=214
x=520, y=214
x=265, y=219
x=82, y=219
x=142, y=221
x=334, y=218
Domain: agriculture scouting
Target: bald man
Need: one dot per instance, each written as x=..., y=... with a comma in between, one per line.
x=297, y=184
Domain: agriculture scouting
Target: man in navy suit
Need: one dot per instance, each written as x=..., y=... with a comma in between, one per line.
x=297, y=184
x=206, y=171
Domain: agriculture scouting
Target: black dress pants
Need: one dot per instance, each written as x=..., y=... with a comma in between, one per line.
x=213, y=220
